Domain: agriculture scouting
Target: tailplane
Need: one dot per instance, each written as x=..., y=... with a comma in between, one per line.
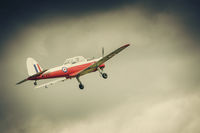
x=21, y=81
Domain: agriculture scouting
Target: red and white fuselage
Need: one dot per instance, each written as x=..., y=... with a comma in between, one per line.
x=68, y=70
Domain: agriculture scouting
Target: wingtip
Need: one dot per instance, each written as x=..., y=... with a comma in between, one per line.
x=126, y=45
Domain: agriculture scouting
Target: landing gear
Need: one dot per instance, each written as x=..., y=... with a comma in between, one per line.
x=35, y=83
x=81, y=86
x=104, y=75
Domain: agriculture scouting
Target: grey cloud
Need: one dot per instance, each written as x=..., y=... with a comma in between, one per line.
x=155, y=80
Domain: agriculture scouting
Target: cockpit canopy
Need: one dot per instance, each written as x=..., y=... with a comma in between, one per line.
x=74, y=60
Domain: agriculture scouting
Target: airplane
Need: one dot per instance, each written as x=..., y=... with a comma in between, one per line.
x=72, y=68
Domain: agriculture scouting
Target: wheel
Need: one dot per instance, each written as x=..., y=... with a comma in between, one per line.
x=35, y=83
x=81, y=86
x=104, y=75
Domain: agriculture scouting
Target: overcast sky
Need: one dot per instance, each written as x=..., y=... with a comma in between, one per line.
x=153, y=85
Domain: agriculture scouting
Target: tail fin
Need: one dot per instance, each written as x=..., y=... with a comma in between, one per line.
x=33, y=67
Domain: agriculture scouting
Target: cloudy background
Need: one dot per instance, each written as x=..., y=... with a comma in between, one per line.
x=153, y=85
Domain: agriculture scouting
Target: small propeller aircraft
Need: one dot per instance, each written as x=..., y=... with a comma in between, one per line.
x=72, y=68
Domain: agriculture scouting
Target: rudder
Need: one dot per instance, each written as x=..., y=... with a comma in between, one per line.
x=32, y=66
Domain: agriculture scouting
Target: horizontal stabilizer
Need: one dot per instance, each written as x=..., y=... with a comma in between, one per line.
x=35, y=75
x=21, y=81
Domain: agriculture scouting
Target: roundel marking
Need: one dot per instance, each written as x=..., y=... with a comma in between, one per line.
x=64, y=69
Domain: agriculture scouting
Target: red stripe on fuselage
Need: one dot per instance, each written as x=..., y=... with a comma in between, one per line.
x=39, y=67
x=70, y=70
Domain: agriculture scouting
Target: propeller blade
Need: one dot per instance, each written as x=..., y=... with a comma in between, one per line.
x=102, y=51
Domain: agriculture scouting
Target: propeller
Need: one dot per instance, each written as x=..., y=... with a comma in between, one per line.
x=102, y=51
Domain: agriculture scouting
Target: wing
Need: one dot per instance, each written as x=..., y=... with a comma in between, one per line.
x=51, y=83
x=102, y=60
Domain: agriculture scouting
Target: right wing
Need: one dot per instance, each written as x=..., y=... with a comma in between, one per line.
x=102, y=60
x=51, y=83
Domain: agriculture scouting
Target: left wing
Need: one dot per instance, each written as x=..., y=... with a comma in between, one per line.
x=102, y=60
x=51, y=83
